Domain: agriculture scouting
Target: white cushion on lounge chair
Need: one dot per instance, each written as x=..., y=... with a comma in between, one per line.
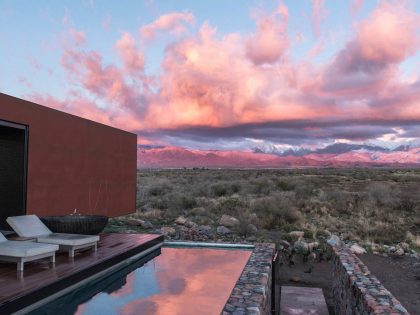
x=2, y=238
x=25, y=248
x=67, y=239
x=28, y=226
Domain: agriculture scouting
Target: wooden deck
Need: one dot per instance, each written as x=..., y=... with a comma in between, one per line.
x=40, y=279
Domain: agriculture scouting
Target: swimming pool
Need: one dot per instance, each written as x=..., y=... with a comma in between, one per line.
x=175, y=279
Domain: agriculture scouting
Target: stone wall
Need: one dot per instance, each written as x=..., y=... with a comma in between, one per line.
x=252, y=292
x=356, y=291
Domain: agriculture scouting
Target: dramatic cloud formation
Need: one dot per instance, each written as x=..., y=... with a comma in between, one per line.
x=246, y=87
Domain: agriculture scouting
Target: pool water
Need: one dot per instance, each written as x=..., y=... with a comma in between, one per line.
x=178, y=281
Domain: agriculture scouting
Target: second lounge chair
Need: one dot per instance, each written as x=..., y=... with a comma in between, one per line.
x=32, y=226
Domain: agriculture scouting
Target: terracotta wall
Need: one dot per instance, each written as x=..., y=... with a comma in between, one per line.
x=74, y=162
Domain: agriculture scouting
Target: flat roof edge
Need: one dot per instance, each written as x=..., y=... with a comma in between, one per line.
x=65, y=113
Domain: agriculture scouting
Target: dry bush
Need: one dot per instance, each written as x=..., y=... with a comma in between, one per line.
x=233, y=206
x=341, y=201
x=224, y=188
x=276, y=211
x=160, y=188
x=382, y=194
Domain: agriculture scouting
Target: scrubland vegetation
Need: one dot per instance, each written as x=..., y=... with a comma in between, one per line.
x=379, y=206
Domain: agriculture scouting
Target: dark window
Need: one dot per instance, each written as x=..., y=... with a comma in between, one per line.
x=13, y=148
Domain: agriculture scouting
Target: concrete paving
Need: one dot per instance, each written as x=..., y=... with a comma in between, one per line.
x=302, y=301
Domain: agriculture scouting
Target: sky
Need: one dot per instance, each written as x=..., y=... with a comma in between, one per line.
x=226, y=75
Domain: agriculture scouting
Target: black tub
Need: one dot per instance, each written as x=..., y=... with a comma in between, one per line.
x=76, y=224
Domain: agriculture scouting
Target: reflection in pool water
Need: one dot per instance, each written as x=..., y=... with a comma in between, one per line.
x=179, y=281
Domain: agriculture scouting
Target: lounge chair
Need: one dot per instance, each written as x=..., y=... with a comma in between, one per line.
x=32, y=226
x=23, y=251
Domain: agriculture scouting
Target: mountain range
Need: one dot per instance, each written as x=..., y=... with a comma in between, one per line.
x=335, y=155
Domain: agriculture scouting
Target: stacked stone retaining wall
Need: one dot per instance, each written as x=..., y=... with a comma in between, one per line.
x=356, y=291
x=252, y=292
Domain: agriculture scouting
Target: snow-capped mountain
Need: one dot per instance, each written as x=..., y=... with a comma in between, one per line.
x=336, y=155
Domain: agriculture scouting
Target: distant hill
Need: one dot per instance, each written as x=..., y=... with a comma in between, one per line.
x=336, y=155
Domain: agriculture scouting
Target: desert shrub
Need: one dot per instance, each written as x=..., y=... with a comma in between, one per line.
x=177, y=202
x=157, y=203
x=261, y=186
x=276, y=211
x=284, y=185
x=224, y=189
x=304, y=189
x=406, y=201
x=159, y=189
x=381, y=232
x=382, y=194
x=232, y=206
x=340, y=201
x=219, y=189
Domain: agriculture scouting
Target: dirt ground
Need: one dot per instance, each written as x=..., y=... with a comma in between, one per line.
x=397, y=275
x=320, y=277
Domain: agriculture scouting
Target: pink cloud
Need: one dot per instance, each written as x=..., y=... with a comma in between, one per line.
x=213, y=80
x=78, y=36
x=368, y=62
x=131, y=56
x=174, y=22
x=107, y=82
x=318, y=15
x=270, y=40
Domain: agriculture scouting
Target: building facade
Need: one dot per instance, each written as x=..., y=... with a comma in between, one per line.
x=52, y=162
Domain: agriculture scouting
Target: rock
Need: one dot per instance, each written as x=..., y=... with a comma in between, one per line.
x=228, y=221
x=135, y=222
x=312, y=246
x=297, y=235
x=251, y=238
x=168, y=230
x=222, y=230
x=252, y=229
x=190, y=224
x=405, y=246
x=301, y=247
x=181, y=220
x=334, y=240
x=358, y=250
x=147, y=224
x=399, y=252
x=206, y=230
x=138, y=222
